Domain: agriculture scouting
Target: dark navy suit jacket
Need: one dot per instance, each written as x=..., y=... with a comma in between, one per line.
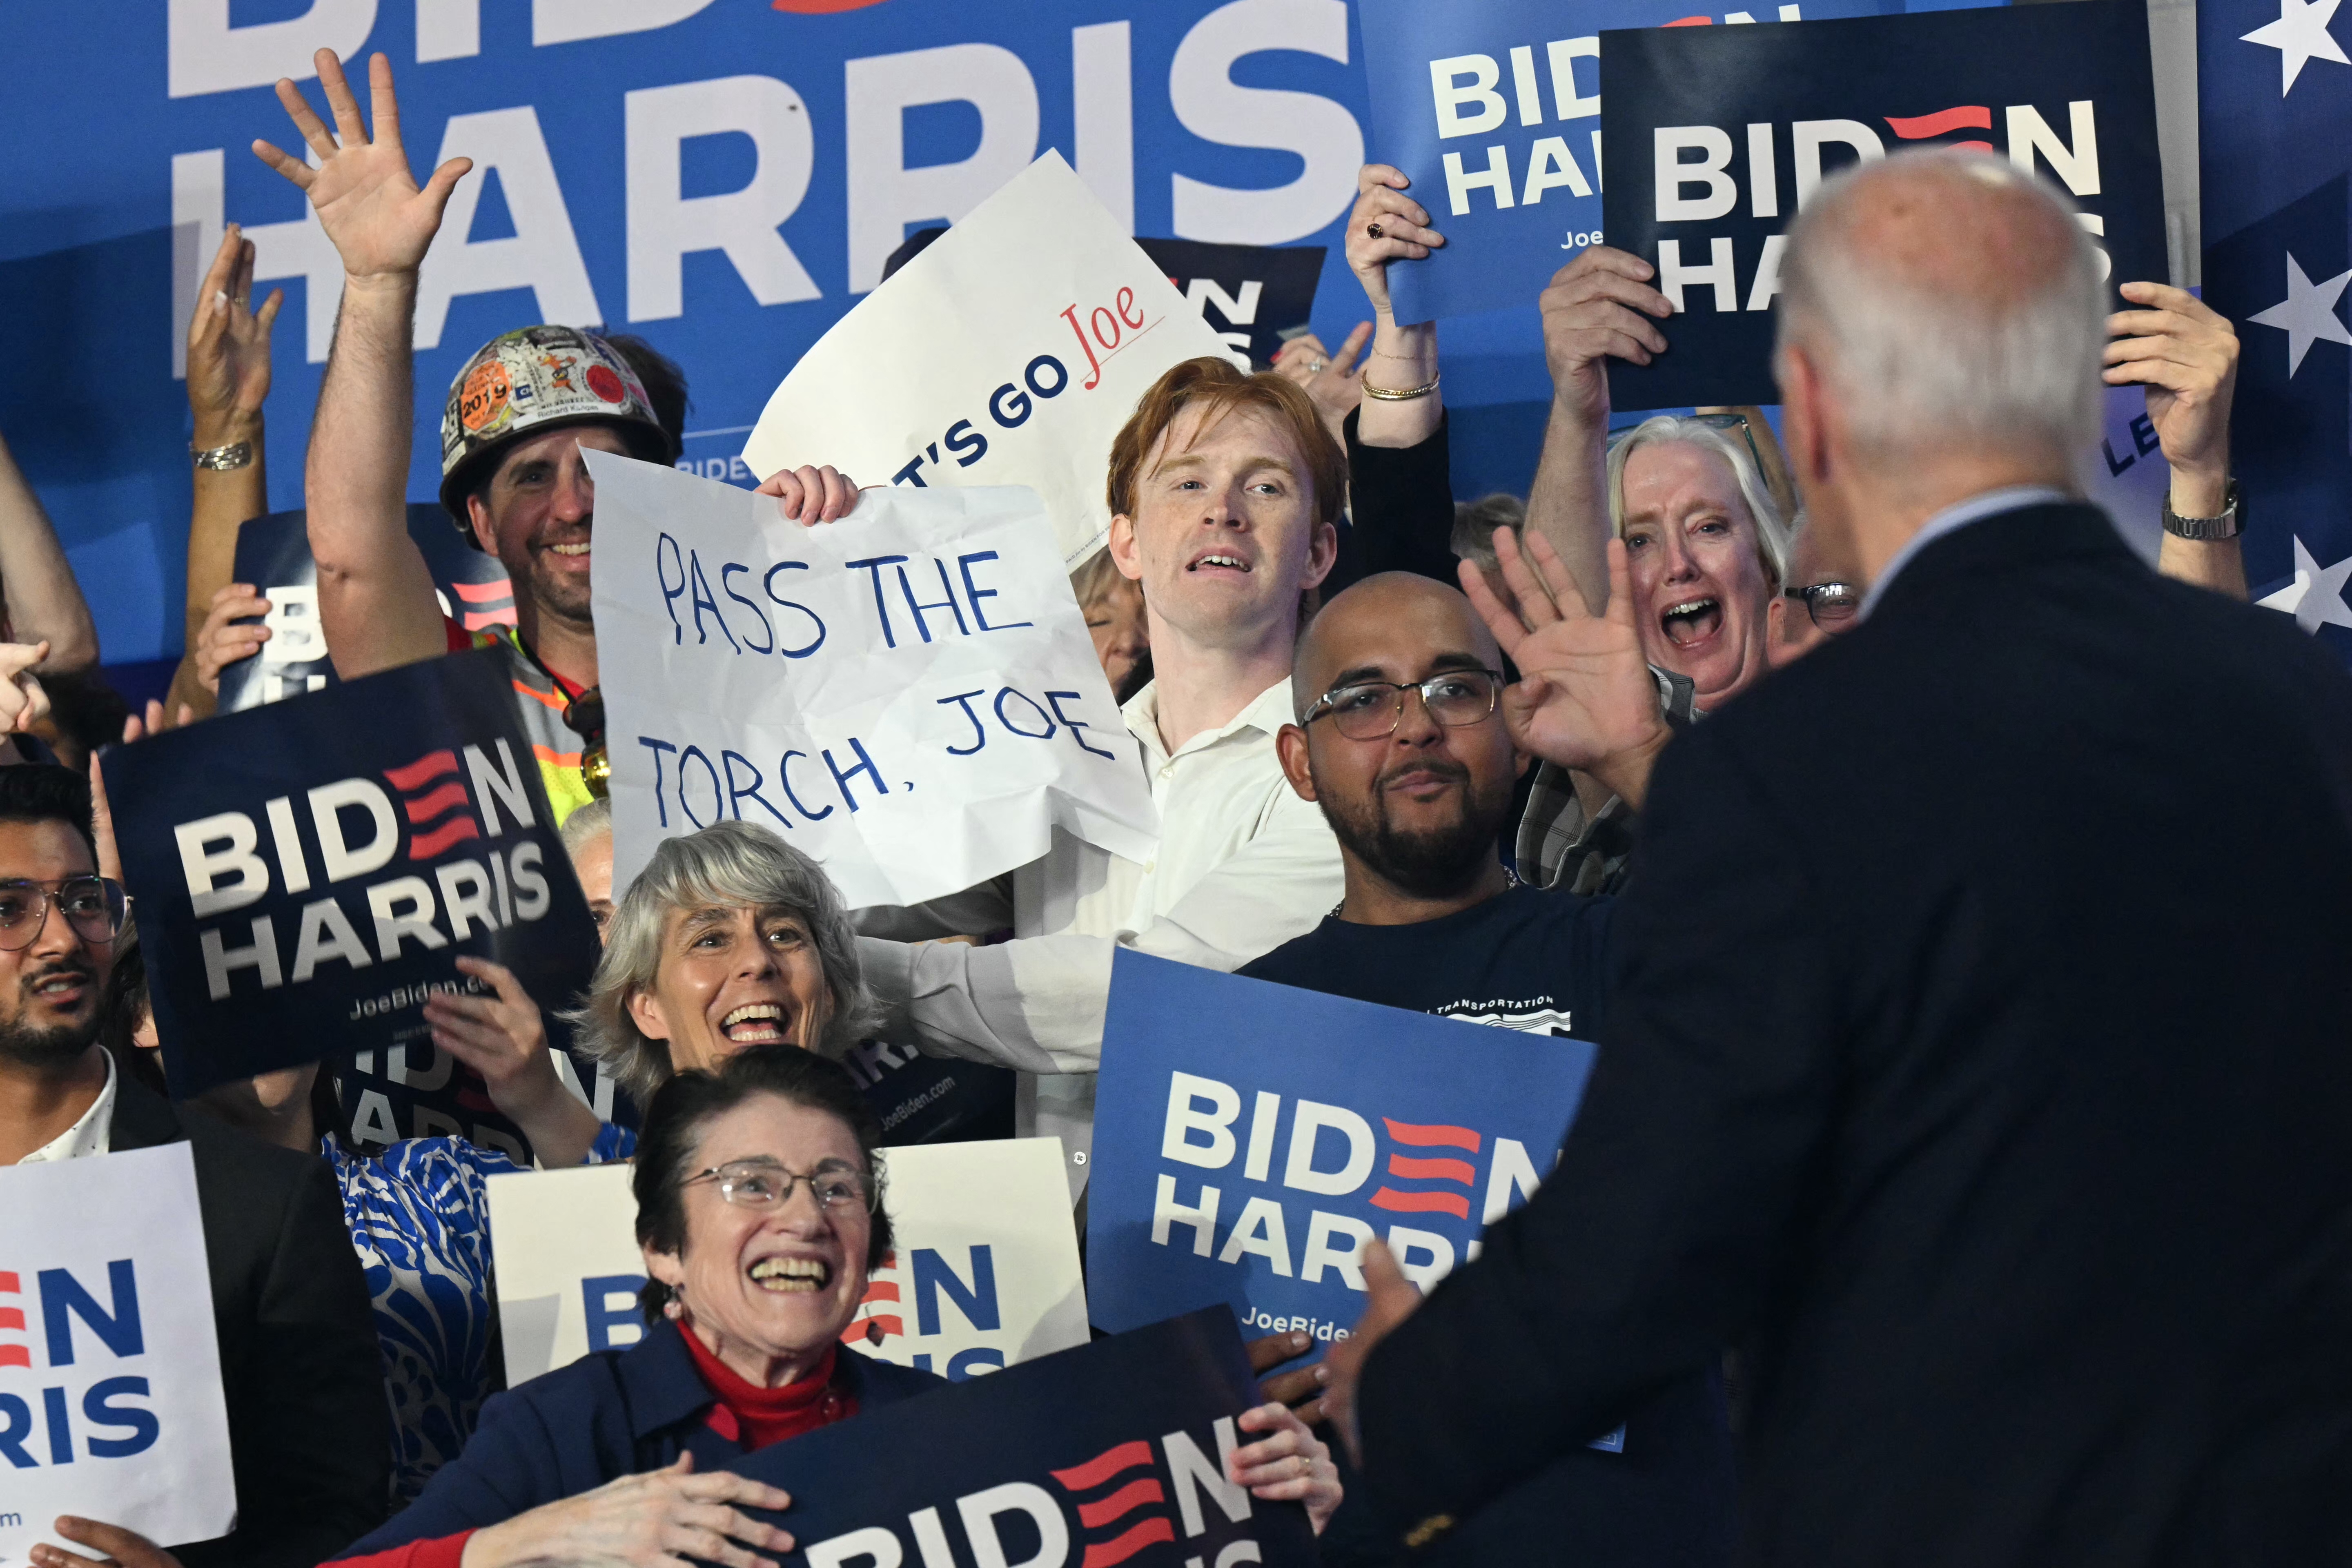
x=608, y=1415
x=1976, y=1059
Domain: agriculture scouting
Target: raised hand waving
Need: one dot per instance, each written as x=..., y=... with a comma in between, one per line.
x=1585, y=698
x=368, y=202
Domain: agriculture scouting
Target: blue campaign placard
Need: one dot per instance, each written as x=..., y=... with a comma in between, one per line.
x=1493, y=109
x=1720, y=137
x=305, y=873
x=1251, y=1138
x=1111, y=1453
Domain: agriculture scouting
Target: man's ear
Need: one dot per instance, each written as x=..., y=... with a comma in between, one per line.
x=1124, y=552
x=1802, y=414
x=1322, y=556
x=477, y=517
x=1290, y=746
x=647, y=1014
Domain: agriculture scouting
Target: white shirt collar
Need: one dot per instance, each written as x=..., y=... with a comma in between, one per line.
x=93, y=1135
x=1952, y=519
x=1269, y=711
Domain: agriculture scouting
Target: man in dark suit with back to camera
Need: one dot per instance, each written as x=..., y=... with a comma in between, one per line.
x=1977, y=1057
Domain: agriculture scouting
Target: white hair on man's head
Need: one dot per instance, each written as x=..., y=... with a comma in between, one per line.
x=1949, y=300
x=1771, y=532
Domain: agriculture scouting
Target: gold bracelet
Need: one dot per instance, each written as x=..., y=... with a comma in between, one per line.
x=1405, y=394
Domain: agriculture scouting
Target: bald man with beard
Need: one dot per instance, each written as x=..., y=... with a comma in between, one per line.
x=1975, y=1059
x=1406, y=740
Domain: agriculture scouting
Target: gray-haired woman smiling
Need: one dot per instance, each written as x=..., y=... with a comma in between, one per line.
x=728, y=938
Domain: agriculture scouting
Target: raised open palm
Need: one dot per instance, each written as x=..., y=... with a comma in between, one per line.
x=1585, y=696
x=368, y=202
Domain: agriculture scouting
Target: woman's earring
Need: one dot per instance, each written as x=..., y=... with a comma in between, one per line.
x=675, y=1307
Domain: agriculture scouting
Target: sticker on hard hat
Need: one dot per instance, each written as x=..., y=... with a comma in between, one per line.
x=484, y=403
x=605, y=385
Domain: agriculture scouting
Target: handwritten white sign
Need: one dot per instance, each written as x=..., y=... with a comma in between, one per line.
x=1009, y=352
x=110, y=1368
x=984, y=1272
x=908, y=696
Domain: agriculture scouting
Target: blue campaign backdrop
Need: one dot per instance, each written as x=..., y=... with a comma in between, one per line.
x=2274, y=137
x=848, y=125
x=1249, y=1138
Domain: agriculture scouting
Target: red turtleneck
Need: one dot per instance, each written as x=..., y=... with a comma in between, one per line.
x=756, y=1416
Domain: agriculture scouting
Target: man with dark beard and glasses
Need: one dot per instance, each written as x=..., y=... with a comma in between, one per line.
x=298, y=1353
x=1410, y=742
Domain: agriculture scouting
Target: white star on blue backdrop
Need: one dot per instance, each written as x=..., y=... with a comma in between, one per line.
x=2300, y=34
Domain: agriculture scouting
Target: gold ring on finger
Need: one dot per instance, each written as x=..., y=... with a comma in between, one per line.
x=1373, y=230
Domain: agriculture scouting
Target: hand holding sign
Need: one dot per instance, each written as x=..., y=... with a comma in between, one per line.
x=233, y=630
x=1385, y=225
x=810, y=495
x=1291, y=1465
x=1595, y=308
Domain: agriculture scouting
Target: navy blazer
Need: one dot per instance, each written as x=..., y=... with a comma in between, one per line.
x=1976, y=1059
x=608, y=1415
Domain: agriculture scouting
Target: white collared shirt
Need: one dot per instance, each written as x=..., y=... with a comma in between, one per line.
x=1952, y=519
x=1243, y=864
x=93, y=1135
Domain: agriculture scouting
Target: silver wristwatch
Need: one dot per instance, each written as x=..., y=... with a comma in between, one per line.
x=2228, y=525
x=235, y=455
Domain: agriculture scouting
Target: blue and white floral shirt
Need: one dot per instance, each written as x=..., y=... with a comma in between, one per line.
x=420, y=1220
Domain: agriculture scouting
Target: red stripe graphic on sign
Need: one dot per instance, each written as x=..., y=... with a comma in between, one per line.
x=1432, y=1136
x=9, y=1283
x=881, y=1290
x=12, y=1318
x=1127, y=1499
x=425, y=807
x=1413, y=1169
x=1974, y=116
x=426, y=845
x=1396, y=1202
x=1125, y=1545
x=431, y=765
x=483, y=592
x=15, y=1355
x=1104, y=1465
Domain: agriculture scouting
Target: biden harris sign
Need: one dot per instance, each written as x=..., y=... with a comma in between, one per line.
x=310, y=870
x=110, y=1373
x=1493, y=109
x=1249, y=1162
x=1720, y=137
x=1111, y=1453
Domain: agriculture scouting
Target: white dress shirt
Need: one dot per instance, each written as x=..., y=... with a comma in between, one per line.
x=1243, y=864
x=93, y=1135
x=1952, y=520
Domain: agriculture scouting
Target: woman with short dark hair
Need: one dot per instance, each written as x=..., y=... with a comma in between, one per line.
x=759, y=1212
x=759, y=1194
